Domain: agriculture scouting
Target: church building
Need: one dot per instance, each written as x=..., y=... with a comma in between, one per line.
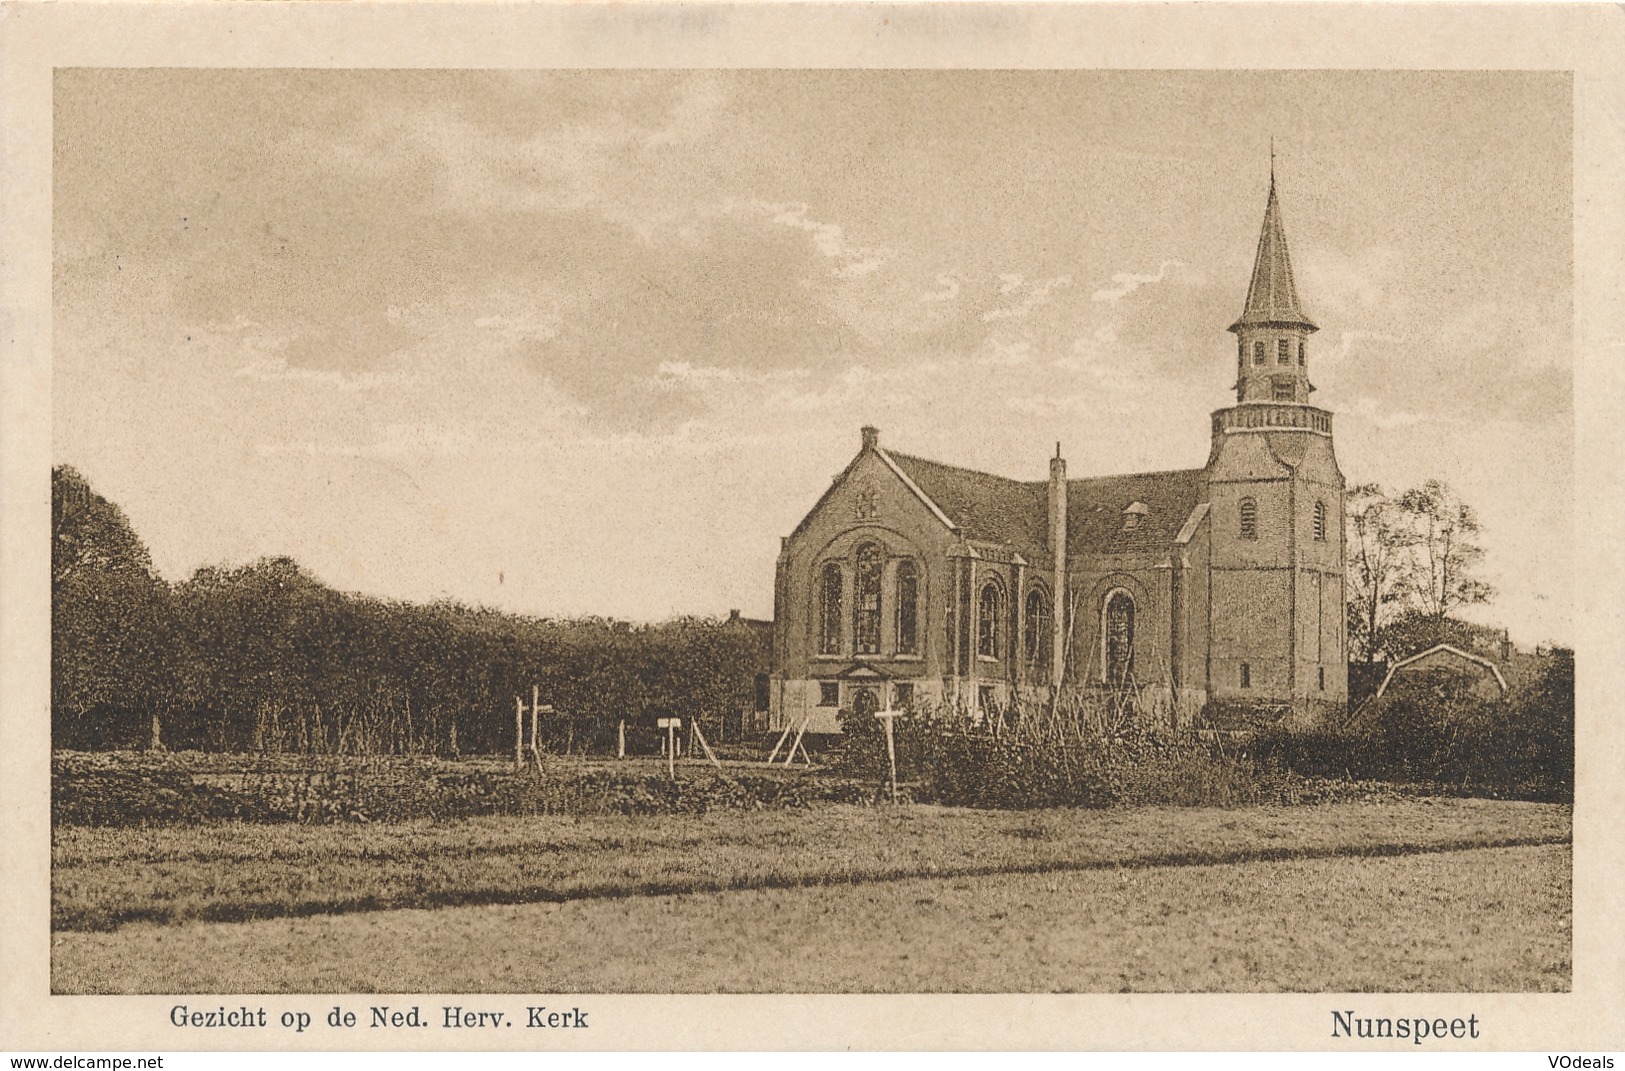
x=1203, y=591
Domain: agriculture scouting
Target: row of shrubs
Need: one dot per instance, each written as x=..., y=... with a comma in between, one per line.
x=1100, y=751
x=140, y=792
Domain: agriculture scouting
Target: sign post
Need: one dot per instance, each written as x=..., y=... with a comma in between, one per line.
x=671, y=725
x=886, y=717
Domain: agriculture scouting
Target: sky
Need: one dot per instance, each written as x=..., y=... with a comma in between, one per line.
x=591, y=342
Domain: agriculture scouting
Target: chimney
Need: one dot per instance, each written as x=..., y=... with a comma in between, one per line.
x=871, y=437
x=1057, y=546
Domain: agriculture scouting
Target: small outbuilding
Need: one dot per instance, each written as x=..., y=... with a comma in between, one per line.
x=1474, y=674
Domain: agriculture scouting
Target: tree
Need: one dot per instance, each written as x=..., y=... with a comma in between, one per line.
x=1440, y=562
x=112, y=620
x=1378, y=539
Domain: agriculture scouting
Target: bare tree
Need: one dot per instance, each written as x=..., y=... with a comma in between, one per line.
x=1445, y=551
x=1379, y=538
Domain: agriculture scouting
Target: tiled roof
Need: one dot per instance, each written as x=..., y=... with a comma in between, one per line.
x=1095, y=510
x=985, y=507
x=1272, y=296
x=994, y=509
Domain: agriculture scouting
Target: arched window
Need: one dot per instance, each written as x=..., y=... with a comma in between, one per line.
x=1258, y=352
x=1283, y=351
x=989, y=612
x=830, y=594
x=1119, y=639
x=1038, y=639
x=1300, y=354
x=866, y=600
x=908, y=607
x=1249, y=519
x=1320, y=522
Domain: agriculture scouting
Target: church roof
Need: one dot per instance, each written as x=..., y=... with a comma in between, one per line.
x=1095, y=506
x=983, y=506
x=994, y=509
x=1272, y=296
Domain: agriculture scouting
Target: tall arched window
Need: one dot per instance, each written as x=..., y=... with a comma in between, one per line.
x=1258, y=352
x=1283, y=351
x=1119, y=639
x=1037, y=630
x=866, y=600
x=908, y=607
x=990, y=610
x=830, y=594
x=1320, y=521
x=1249, y=519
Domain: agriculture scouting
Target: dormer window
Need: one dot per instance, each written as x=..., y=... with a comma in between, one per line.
x=1133, y=514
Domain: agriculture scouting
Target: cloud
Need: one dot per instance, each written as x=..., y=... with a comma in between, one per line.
x=278, y=370
x=998, y=354
x=1348, y=340
x=828, y=238
x=949, y=291
x=1037, y=294
x=1374, y=412
x=1128, y=282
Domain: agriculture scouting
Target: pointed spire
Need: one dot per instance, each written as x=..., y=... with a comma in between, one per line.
x=1272, y=296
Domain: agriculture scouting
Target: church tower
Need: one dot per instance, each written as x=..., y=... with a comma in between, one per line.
x=1277, y=625
x=1272, y=333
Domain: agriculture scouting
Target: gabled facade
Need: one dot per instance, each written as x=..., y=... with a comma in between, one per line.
x=914, y=580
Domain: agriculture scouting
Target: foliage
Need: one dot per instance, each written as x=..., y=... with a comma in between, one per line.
x=1376, y=541
x=265, y=658
x=1433, y=731
x=144, y=789
x=1411, y=562
x=1088, y=750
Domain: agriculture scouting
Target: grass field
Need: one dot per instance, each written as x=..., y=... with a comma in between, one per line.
x=1376, y=895
x=1486, y=920
x=229, y=871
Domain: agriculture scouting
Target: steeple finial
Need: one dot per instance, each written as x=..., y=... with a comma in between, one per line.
x=1272, y=296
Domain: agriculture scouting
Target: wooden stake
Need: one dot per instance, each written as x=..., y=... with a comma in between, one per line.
x=620, y=740
x=788, y=728
x=708, y=752
x=535, y=709
x=518, y=732
x=891, y=748
x=788, y=759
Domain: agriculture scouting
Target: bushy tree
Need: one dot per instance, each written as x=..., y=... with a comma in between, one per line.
x=113, y=667
x=1412, y=561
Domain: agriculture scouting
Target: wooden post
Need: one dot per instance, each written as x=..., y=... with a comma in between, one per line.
x=671, y=751
x=886, y=716
x=518, y=732
x=535, y=709
x=620, y=740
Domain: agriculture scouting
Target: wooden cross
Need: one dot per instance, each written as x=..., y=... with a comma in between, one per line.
x=886, y=716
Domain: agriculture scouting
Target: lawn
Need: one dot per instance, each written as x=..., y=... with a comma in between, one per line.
x=1485, y=920
x=231, y=871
